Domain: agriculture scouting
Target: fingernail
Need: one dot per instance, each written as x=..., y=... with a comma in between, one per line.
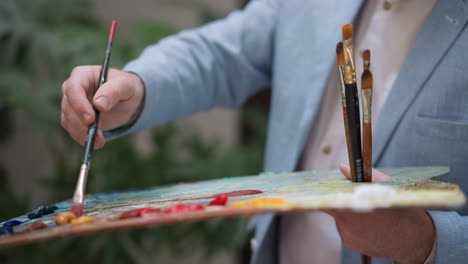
x=86, y=117
x=104, y=102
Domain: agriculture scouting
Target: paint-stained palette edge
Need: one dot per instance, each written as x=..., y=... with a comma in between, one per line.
x=448, y=196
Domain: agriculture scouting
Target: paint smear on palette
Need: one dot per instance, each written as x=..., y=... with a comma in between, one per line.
x=260, y=202
x=241, y=193
x=275, y=192
x=184, y=208
x=219, y=200
x=229, y=194
x=138, y=212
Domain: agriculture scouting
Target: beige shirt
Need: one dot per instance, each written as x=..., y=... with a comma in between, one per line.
x=388, y=30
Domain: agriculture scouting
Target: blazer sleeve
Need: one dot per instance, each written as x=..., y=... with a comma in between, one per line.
x=452, y=237
x=220, y=64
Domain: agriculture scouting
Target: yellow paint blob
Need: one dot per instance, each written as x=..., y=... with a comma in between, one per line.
x=64, y=218
x=260, y=202
x=85, y=219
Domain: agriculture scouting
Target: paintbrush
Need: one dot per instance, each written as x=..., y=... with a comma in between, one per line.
x=78, y=197
x=340, y=63
x=366, y=89
x=352, y=102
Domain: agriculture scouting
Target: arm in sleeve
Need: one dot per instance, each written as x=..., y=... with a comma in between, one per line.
x=452, y=237
x=220, y=64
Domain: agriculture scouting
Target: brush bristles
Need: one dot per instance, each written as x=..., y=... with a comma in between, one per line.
x=339, y=54
x=77, y=209
x=366, y=55
x=366, y=81
x=347, y=31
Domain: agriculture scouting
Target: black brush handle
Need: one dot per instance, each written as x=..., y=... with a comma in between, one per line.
x=354, y=127
x=93, y=128
x=366, y=259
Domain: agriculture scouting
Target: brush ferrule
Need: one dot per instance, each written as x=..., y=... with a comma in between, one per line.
x=349, y=66
x=78, y=197
x=366, y=64
x=366, y=105
x=349, y=74
x=343, y=90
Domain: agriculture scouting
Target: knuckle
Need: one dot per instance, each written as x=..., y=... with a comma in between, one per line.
x=81, y=109
x=63, y=120
x=77, y=70
x=64, y=104
x=65, y=86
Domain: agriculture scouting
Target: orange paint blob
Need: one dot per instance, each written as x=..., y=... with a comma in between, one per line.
x=84, y=219
x=260, y=202
x=64, y=218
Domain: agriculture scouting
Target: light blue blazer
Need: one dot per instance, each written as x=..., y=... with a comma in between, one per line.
x=290, y=45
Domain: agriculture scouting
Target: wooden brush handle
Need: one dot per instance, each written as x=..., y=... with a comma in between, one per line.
x=367, y=151
x=348, y=143
x=366, y=259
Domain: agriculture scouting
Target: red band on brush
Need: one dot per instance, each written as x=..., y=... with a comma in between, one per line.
x=112, y=30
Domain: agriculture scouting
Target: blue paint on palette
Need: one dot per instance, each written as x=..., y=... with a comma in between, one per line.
x=11, y=223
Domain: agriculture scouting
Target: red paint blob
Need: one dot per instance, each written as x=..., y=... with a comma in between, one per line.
x=184, y=208
x=129, y=214
x=221, y=199
x=148, y=210
x=138, y=212
x=36, y=226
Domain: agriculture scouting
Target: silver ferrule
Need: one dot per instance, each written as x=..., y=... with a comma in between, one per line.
x=366, y=105
x=343, y=91
x=78, y=197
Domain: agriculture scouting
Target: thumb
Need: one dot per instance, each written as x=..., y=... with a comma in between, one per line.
x=111, y=93
x=377, y=176
x=346, y=171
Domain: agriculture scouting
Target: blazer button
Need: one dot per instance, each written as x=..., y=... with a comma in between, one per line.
x=387, y=5
x=253, y=244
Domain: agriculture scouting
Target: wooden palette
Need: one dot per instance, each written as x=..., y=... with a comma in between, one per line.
x=410, y=187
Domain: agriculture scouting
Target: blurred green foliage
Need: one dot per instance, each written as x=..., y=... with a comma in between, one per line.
x=40, y=42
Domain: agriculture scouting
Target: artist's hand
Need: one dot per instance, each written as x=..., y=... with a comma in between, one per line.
x=402, y=235
x=117, y=100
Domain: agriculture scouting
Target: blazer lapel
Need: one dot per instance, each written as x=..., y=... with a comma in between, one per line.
x=441, y=29
x=302, y=102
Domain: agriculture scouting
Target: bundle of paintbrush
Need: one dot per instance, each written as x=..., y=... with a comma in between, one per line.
x=360, y=156
x=360, y=159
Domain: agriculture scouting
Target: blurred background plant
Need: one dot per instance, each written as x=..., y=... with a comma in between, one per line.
x=40, y=42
